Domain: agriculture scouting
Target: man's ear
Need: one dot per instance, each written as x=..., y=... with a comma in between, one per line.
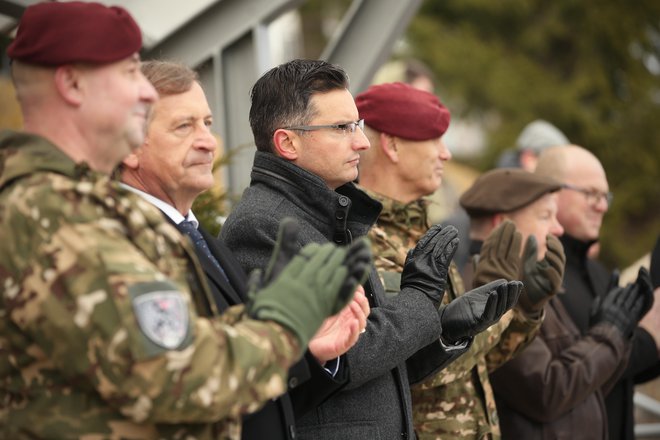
x=67, y=83
x=389, y=148
x=131, y=161
x=286, y=143
x=497, y=220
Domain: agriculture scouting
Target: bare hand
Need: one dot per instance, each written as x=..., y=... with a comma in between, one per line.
x=340, y=332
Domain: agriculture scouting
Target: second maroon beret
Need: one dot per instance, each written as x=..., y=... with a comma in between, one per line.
x=403, y=111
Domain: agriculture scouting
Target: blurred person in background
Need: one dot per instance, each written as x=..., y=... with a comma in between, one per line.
x=583, y=201
x=532, y=140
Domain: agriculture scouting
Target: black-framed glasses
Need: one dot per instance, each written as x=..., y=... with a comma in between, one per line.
x=593, y=196
x=346, y=128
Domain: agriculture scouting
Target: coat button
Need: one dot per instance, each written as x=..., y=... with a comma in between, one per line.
x=343, y=201
x=293, y=382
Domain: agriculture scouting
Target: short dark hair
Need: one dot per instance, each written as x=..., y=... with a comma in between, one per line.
x=281, y=97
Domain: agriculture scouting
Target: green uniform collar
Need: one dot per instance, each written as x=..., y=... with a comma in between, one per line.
x=22, y=154
x=412, y=215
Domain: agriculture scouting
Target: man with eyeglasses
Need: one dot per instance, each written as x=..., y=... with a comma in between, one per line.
x=308, y=136
x=555, y=384
x=582, y=204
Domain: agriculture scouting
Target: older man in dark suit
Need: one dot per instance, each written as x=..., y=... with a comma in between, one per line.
x=173, y=166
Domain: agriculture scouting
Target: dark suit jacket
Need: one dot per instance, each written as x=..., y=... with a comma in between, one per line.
x=276, y=419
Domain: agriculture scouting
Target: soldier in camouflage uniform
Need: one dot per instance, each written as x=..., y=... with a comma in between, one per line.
x=106, y=329
x=404, y=126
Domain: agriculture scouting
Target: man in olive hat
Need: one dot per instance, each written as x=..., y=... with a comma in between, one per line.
x=527, y=199
x=107, y=325
x=406, y=162
x=555, y=385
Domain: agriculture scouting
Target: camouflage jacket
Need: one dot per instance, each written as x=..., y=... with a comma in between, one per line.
x=107, y=331
x=457, y=402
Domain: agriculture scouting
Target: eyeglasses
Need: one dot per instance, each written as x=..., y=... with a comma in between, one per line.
x=593, y=196
x=347, y=128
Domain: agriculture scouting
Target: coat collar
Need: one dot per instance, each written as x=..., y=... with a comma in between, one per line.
x=339, y=214
x=576, y=250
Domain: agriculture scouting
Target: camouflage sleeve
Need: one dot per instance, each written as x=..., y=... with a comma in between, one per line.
x=97, y=313
x=389, y=250
x=517, y=335
x=389, y=256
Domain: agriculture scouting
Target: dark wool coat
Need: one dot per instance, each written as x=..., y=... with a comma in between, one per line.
x=376, y=401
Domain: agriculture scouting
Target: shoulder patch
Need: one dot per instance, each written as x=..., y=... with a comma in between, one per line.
x=162, y=316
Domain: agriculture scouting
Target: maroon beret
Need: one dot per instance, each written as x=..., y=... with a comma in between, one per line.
x=403, y=111
x=505, y=190
x=52, y=34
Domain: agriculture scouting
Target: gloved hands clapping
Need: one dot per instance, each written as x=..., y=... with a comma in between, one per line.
x=623, y=307
x=541, y=279
x=300, y=290
x=427, y=263
x=477, y=309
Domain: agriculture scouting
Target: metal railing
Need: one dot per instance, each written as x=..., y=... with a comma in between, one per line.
x=649, y=404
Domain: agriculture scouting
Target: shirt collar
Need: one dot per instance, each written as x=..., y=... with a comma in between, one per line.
x=169, y=210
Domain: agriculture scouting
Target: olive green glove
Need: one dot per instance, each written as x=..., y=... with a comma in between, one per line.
x=541, y=279
x=318, y=282
x=478, y=309
x=500, y=255
x=428, y=262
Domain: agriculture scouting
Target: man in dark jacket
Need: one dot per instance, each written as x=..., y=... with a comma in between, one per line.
x=556, y=384
x=582, y=204
x=171, y=169
x=306, y=128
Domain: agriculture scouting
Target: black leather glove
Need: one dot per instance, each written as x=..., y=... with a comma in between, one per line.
x=427, y=263
x=622, y=307
x=541, y=279
x=477, y=309
x=645, y=285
